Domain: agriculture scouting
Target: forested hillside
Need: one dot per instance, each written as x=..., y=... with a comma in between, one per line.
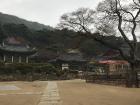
x=6, y=19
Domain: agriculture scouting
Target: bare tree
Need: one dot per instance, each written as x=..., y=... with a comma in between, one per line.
x=126, y=18
x=110, y=13
x=79, y=20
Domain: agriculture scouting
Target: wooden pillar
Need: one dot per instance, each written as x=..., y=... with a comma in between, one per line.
x=19, y=59
x=3, y=43
x=4, y=58
x=12, y=59
x=27, y=59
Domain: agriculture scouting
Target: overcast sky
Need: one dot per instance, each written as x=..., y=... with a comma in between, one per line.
x=44, y=11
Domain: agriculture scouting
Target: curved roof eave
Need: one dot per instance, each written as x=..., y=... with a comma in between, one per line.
x=28, y=52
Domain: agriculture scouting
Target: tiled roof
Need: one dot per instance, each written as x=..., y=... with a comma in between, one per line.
x=15, y=48
x=113, y=62
x=71, y=57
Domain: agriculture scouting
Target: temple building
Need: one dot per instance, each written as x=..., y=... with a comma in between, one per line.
x=71, y=60
x=15, y=50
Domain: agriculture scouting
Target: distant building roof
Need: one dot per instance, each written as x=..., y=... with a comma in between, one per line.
x=108, y=55
x=111, y=53
x=113, y=62
x=70, y=57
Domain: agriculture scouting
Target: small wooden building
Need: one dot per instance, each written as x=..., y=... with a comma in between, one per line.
x=115, y=66
x=110, y=62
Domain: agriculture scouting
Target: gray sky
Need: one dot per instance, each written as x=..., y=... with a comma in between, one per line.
x=44, y=11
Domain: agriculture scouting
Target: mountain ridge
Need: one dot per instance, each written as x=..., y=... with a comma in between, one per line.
x=8, y=19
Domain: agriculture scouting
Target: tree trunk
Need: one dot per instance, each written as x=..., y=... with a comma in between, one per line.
x=132, y=77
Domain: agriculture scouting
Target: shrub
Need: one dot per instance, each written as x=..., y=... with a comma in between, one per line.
x=26, y=71
x=31, y=72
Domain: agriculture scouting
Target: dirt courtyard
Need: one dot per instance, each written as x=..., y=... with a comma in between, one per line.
x=78, y=92
x=71, y=92
x=27, y=93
